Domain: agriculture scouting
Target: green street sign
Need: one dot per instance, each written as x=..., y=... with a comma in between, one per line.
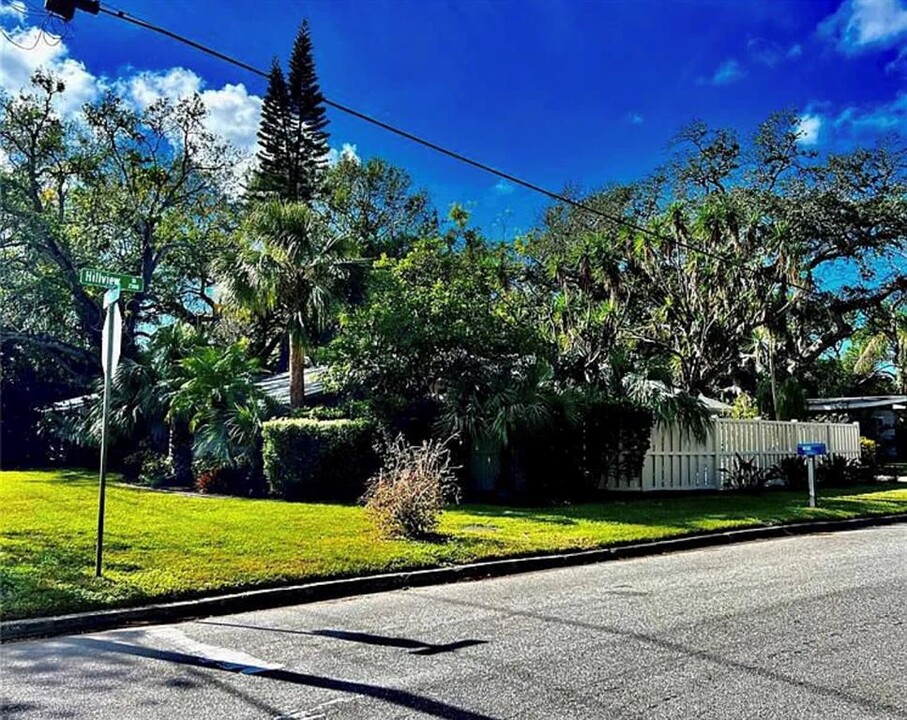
x=104, y=279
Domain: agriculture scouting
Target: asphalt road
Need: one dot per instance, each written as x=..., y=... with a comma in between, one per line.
x=806, y=627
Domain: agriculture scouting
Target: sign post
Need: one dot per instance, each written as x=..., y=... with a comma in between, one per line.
x=111, y=340
x=810, y=451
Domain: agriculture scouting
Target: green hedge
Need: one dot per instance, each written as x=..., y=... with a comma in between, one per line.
x=572, y=458
x=318, y=460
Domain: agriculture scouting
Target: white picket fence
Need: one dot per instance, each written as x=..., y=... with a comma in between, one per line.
x=676, y=461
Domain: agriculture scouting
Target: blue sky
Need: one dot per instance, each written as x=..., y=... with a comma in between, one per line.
x=560, y=92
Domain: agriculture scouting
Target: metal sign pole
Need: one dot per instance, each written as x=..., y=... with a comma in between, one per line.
x=108, y=376
x=811, y=465
x=810, y=450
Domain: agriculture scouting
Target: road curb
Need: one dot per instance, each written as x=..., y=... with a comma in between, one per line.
x=15, y=630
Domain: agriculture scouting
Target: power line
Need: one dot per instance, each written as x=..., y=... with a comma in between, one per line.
x=559, y=197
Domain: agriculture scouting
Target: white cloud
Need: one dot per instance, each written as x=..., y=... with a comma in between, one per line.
x=233, y=113
x=15, y=9
x=634, y=118
x=728, y=72
x=30, y=50
x=795, y=51
x=502, y=187
x=861, y=24
x=347, y=151
x=146, y=88
x=883, y=118
x=809, y=125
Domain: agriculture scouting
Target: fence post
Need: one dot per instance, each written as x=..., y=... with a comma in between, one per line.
x=713, y=467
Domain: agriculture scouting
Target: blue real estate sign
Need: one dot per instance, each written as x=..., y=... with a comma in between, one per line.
x=811, y=449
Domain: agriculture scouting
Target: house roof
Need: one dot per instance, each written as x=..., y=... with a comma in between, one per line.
x=866, y=402
x=276, y=386
x=709, y=403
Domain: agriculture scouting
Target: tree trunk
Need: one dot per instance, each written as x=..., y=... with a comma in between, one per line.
x=771, y=370
x=180, y=451
x=297, y=370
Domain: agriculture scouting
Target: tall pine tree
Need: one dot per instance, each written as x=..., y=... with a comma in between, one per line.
x=275, y=149
x=292, y=137
x=309, y=117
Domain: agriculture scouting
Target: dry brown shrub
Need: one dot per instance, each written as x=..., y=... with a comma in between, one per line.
x=407, y=496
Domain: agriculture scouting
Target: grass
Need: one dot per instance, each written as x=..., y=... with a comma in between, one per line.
x=164, y=545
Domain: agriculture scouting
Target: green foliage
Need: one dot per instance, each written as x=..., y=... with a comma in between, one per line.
x=745, y=475
x=406, y=497
x=290, y=270
x=617, y=436
x=375, y=204
x=30, y=381
x=870, y=456
x=792, y=470
x=838, y=471
x=439, y=326
x=320, y=460
x=156, y=470
x=292, y=137
x=495, y=408
x=224, y=407
x=348, y=409
x=791, y=400
x=594, y=442
x=744, y=407
x=771, y=215
x=274, y=160
x=215, y=478
x=188, y=395
x=112, y=190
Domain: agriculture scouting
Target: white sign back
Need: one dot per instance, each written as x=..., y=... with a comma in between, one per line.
x=113, y=335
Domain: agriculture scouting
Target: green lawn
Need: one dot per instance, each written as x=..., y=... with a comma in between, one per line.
x=164, y=545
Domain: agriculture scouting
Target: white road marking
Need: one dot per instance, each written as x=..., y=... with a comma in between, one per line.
x=172, y=638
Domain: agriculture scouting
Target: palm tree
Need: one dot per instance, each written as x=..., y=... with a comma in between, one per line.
x=291, y=265
x=223, y=405
x=143, y=394
x=880, y=350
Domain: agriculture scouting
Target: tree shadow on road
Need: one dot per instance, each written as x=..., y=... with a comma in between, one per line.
x=402, y=698
x=418, y=647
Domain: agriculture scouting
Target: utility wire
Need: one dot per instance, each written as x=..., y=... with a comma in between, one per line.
x=559, y=197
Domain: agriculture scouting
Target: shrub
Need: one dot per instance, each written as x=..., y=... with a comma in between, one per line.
x=406, y=497
x=791, y=469
x=869, y=452
x=318, y=460
x=838, y=471
x=597, y=443
x=213, y=478
x=346, y=410
x=214, y=481
x=744, y=407
x=156, y=470
x=744, y=475
x=131, y=464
